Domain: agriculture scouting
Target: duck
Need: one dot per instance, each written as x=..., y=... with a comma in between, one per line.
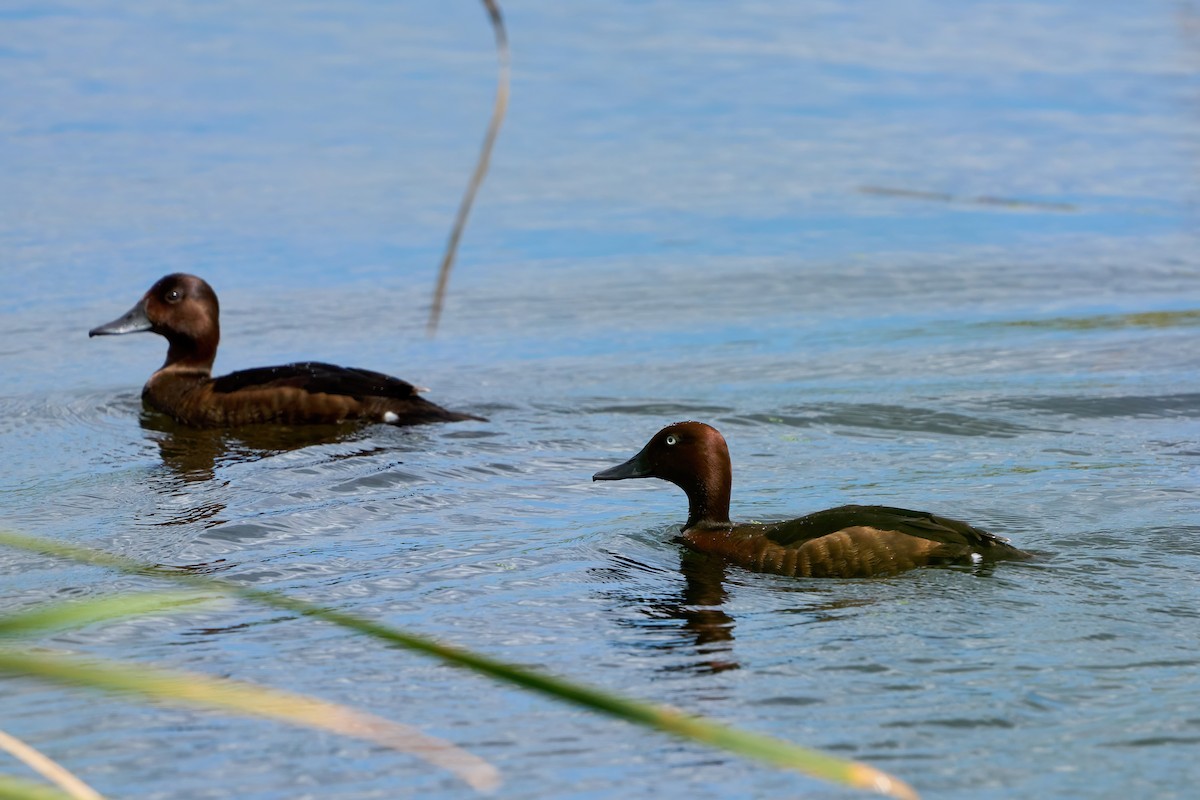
x=184, y=310
x=852, y=541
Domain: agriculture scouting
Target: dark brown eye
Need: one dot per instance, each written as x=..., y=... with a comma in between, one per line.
x=173, y=296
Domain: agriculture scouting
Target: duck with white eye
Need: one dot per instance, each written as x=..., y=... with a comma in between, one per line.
x=845, y=542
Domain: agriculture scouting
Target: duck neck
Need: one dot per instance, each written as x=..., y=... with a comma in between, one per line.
x=187, y=354
x=708, y=497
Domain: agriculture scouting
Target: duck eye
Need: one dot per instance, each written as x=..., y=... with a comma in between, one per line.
x=672, y=438
x=173, y=296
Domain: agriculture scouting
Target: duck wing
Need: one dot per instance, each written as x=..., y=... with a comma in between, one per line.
x=318, y=378
x=919, y=524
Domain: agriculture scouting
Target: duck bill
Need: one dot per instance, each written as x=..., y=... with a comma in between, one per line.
x=132, y=321
x=635, y=467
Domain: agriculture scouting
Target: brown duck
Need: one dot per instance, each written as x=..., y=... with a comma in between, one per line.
x=843, y=542
x=183, y=309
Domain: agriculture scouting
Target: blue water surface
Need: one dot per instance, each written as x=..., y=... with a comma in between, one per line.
x=924, y=253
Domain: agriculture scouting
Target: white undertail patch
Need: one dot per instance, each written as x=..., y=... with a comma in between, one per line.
x=391, y=417
x=976, y=558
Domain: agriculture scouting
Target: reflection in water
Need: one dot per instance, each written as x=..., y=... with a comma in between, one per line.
x=214, y=567
x=699, y=607
x=706, y=634
x=217, y=630
x=192, y=454
x=190, y=492
x=707, y=630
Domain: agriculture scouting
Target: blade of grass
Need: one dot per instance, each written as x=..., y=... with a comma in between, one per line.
x=77, y=613
x=764, y=748
x=481, y=167
x=185, y=688
x=48, y=768
x=14, y=788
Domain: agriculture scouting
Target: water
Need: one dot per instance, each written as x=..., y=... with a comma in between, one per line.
x=782, y=221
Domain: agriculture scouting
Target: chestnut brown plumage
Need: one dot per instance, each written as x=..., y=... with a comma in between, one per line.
x=184, y=310
x=844, y=542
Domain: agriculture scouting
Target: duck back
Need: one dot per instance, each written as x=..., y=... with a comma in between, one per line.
x=304, y=393
x=852, y=542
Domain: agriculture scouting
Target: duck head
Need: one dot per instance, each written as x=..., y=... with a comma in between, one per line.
x=181, y=308
x=694, y=457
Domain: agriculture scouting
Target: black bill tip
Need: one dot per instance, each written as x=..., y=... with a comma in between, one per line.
x=132, y=321
x=633, y=468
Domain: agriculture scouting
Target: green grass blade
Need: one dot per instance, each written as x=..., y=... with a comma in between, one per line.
x=78, y=613
x=201, y=691
x=14, y=788
x=764, y=748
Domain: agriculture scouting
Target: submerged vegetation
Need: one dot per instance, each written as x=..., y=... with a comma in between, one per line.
x=1145, y=319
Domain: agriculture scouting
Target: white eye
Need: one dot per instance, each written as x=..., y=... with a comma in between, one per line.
x=672, y=438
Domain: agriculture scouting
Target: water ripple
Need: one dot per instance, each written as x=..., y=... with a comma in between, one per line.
x=1185, y=405
x=881, y=416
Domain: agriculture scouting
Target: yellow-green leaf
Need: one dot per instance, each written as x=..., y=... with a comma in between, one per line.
x=78, y=613
x=764, y=748
x=14, y=788
x=184, y=688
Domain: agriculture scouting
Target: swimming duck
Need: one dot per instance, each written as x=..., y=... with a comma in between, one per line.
x=843, y=542
x=183, y=309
